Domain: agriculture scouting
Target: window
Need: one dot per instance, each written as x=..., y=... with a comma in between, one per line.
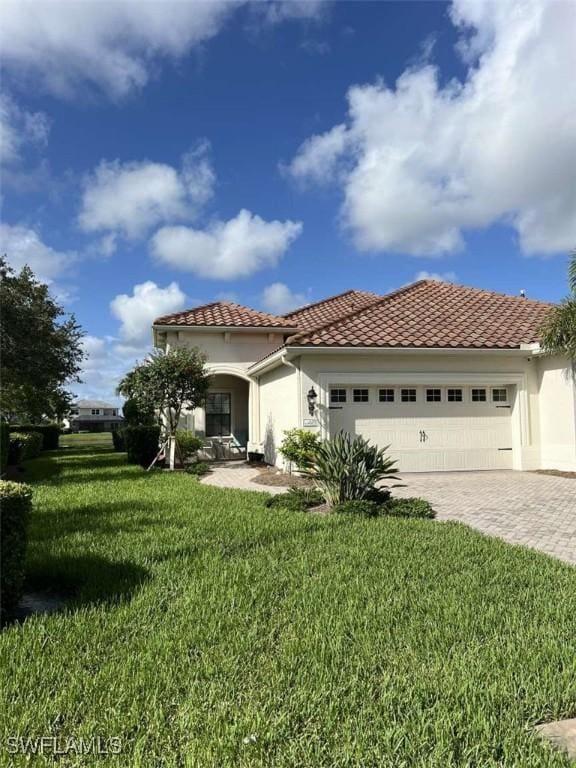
x=500, y=395
x=360, y=395
x=433, y=395
x=408, y=395
x=337, y=395
x=478, y=395
x=454, y=395
x=95, y=411
x=218, y=414
x=386, y=395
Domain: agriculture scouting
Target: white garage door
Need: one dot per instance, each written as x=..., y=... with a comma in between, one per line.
x=431, y=428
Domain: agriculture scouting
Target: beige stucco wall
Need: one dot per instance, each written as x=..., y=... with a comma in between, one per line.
x=557, y=392
x=278, y=409
x=237, y=348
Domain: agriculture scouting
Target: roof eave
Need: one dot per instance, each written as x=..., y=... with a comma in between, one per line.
x=220, y=328
x=275, y=359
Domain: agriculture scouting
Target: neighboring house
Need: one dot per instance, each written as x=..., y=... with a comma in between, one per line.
x=93, y=416
x=450, y=377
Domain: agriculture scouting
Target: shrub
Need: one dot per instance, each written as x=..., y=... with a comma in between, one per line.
x=50, y=433
x=4, y=445
x=188, y=443
x=296, y=499
x=378, y=495
x=15, y=506
x=15, y=449
x=408, y=508
x=118, y=440
x=142, y=444
x=360, y=507
x=135, y=414
x=347, y=468
x=24, y=446
x=299, y=446
x=198, y=469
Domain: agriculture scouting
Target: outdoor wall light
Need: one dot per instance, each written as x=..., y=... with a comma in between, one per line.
x=311, y=397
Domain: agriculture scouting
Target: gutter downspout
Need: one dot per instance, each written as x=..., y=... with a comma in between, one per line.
x=284, y=360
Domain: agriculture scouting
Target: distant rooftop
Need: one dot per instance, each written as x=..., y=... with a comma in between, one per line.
x=93, y=404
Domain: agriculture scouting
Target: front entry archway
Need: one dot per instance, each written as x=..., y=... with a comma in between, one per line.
x=224, y=421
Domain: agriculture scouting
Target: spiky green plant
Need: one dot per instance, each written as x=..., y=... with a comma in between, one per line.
x=347, y=468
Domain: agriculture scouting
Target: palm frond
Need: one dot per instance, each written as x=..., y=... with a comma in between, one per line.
x=572, y=273
x=559, y=331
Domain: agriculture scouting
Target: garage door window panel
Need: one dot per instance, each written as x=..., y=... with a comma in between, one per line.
x=454, y=395
x=499, y=395
x=386, y=395
x=433, y=395
x=408, y=395
x=360, y=395
x=337, y=395
x=479, y=395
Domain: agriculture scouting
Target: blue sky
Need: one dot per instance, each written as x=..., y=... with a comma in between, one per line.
x=278, y=152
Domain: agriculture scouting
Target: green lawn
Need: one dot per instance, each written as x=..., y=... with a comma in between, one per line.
x=86, y=439
x=202, y=618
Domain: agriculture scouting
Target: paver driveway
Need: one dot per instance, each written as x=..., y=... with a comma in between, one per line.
x=526, y=508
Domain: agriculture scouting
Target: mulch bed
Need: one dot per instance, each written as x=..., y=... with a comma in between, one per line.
x=556, y=473
x=272, y=476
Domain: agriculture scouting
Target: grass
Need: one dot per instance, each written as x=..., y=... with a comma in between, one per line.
x=86, y=439
x=201, y=618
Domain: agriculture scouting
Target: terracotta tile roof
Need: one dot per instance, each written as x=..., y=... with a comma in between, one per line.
x=333, y=308
x=225, y=313
x=434, y=314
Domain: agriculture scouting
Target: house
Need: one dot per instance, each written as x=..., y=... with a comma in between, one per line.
x=93, y=416
x=450, y=377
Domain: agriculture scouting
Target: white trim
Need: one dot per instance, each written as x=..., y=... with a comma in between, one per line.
x=273, y=359
x=228, y=369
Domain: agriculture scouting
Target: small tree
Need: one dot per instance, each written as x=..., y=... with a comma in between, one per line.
x=167, y=383
x=299, y=446
x=559, y=331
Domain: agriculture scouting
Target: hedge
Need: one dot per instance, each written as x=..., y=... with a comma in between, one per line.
x=142, y=444
x=50, y=433
x=412, y=507
x=4, y=445
x=15, y=506
x=24, y=446
x=118, y=440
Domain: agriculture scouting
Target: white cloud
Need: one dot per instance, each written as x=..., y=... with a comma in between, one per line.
x=102, y=368
x=440, y=277
x=277, y=11
x=226, y=249
x=131, y=198
x=19, y=129
x=136, y=312
x=23, y=245
x=113, y=45
x=116, y=46
x=279, y=299
x=419, y=163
